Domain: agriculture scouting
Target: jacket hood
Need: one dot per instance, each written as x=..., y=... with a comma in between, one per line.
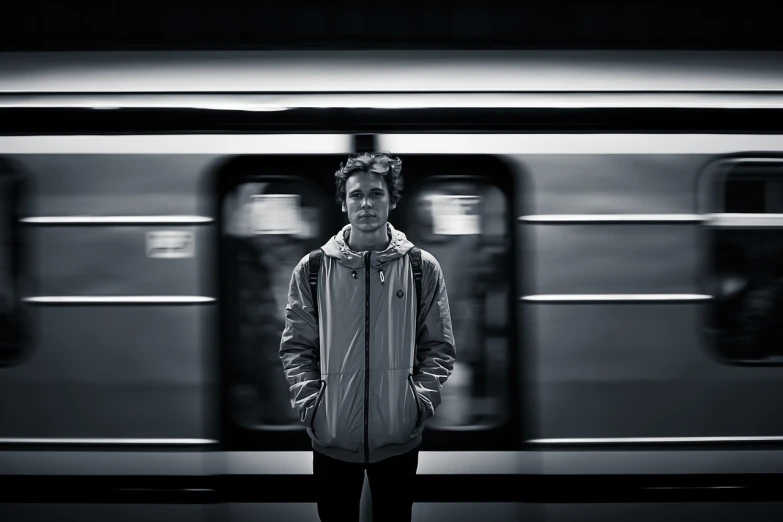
x=338, y=248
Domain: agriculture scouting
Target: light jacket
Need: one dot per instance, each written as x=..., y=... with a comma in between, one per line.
x=366, y=375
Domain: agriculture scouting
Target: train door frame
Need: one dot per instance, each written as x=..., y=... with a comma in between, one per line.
x=419, y=166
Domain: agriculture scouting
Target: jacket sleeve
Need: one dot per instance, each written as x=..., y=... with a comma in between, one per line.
x=435, y=348
x=299, y=345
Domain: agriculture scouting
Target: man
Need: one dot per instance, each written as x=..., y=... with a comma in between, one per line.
x=367, y=371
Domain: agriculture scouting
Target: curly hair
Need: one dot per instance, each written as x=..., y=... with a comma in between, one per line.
x=386, y=166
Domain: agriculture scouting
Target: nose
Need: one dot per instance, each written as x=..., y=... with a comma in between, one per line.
x=366, y=203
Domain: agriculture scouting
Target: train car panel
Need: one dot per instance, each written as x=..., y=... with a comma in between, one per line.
x=97, y=461
x=614, y=258
x=30, y=512
x=112, y=371
x=422, y=511
x=652, y=512
x=626, y=181
x=103, y=184
x=716, y=463
x=665, y=382
x=158, y=260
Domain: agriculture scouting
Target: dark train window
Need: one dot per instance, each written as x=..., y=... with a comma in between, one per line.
x=269, y=225
x=746, y=261
x=275, y=210
x=462, y=222
x=11, y=264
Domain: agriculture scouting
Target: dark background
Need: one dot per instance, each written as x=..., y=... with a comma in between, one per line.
x=51, y=25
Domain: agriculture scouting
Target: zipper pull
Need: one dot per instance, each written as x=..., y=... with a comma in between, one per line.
x=382, y=278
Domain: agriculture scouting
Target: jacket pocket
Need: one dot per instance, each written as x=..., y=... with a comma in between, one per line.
x=318, y=400
x=418, y=405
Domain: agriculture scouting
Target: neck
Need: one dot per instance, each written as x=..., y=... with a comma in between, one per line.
x=375, y=241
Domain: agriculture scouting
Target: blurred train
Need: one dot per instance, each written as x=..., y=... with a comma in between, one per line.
x=609, y=225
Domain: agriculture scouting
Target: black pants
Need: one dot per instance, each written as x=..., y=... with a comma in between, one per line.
x=339, y=487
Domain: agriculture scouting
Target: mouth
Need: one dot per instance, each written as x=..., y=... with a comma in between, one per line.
x=366, y=215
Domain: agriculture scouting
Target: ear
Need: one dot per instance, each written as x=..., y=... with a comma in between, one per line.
x=393, y=206
x=345, y=210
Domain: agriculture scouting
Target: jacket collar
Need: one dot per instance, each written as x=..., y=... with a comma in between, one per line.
x=337, y=247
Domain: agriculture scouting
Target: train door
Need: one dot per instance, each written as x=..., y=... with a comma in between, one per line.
x=272, y=215
x=274, y=210
x=460, y=212
x=462, y=209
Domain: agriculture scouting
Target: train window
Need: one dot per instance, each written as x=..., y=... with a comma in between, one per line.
x=746, y=261
x=462, y=222
x=270, y=224
x=11, y=323
x=275, y=210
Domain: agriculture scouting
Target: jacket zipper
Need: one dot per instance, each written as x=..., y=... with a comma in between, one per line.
x=367, y=357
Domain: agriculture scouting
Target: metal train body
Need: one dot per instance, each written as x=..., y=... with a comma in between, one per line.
x=144, y=276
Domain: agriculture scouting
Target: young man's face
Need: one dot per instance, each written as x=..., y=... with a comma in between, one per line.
x=367, y=201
